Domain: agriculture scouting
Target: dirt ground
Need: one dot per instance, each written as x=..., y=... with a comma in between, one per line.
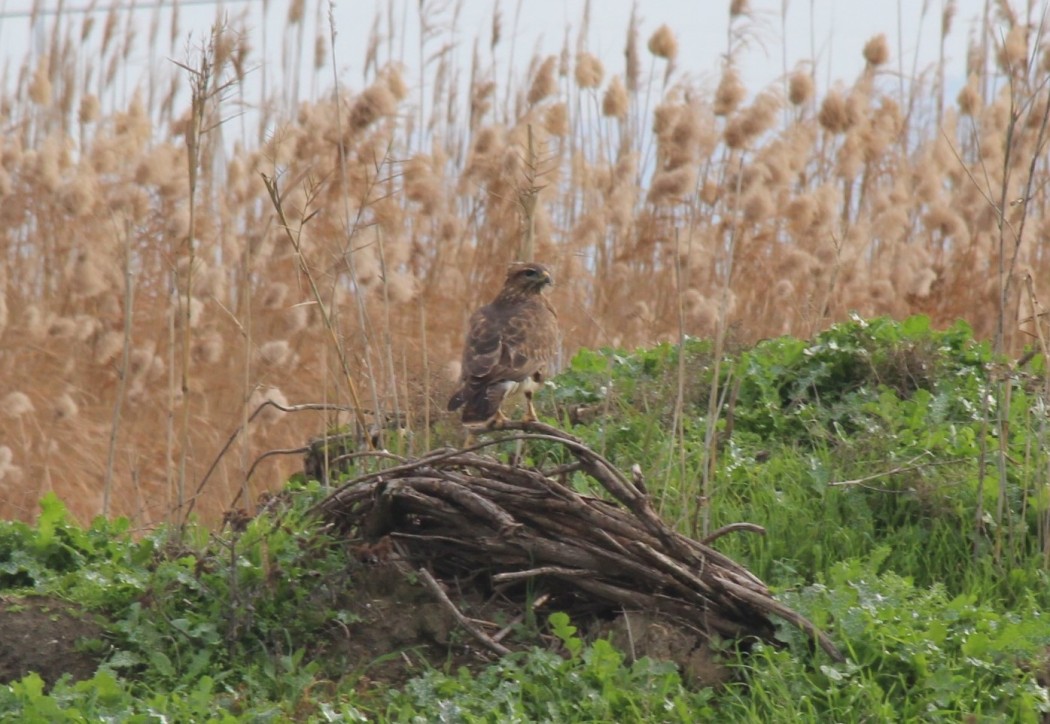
x=401, y=631
x=47, y=636
x=396, y=630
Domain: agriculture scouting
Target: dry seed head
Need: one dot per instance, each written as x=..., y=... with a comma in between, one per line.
x=134, y=125
x=274, y=353
x=208, y=349
x=589, y=71
x=921, y=283
x=450, y=229
x=747, y=125
x=480, y=99
x=422, y=185
x=892, y=224
x=86, y=274
x=633, y=69
x=393, y=77
x=453, y=370
x=969, y=97
x=61, y=328
x=295, y=12
x=210, y=283
x=800, y=87
x=544, y=83
x=40, y=86
x=196, y=312
x=267, y=415
x=36, y=322
x=65, y=407
x=296, y=318
x=692, y=301
x=738, y=8
x=86, y=327
x=783, y=290
x=108, y=346
x=836, y=114
x=614, y=102
x=374, y=103
x=90, y=108
x=78, y=195
x=320, y=51
x=730, y=92
x=671, y=186
x=796, y=263
x=877, y=51
x=16, y=404
x=758, y=205
x=556, y=120
x=664, y=118
x=710, y=192
x=850, y=156
x=945, y=222
x=1013, y=54
x=402, y=287
x=826, y=254
x=46, y=165
x=144, y=364
x=663, y=43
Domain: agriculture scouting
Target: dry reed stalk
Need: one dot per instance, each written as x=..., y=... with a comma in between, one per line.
x=388, y=346
x=914, y=217
x=294, y=239
x=122, y=372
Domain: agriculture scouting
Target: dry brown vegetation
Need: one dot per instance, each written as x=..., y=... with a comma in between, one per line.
x=151, y=297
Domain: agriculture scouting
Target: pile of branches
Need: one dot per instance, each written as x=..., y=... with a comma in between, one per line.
x=460, y=514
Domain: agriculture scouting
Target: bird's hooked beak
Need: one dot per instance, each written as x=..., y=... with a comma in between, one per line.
x=548, y=280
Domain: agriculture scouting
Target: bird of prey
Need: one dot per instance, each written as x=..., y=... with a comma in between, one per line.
x=510, y=346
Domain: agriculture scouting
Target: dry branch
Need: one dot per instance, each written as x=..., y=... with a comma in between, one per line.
x=460, y=513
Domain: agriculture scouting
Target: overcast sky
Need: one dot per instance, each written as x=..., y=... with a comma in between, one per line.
x=835, y=29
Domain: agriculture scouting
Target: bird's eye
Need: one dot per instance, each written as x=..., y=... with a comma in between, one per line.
x=531, y=272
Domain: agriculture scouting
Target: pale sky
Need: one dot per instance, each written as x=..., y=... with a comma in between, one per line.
x=835, y=29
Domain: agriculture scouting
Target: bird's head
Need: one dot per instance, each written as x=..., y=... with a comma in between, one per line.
x=527, y=278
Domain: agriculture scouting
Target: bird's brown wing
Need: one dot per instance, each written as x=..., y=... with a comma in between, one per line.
x=505, y=344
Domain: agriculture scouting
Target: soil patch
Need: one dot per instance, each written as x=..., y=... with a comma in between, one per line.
x=45, y=635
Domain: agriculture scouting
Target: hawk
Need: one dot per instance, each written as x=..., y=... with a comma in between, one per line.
x=510, y=347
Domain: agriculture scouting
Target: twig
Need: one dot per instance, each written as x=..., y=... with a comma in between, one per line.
x=233, y=438
x=732, y=528
x=465, y=622
x=765, y=603
x=541, y=571
x=893, y=471
x=502, y=633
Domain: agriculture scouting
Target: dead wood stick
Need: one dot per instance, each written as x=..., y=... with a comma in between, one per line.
x=462, y=497
x=502, y=633
x=684, y=576
x=465, y=622
x=541, y=571
x=732, y=528
x=771, y=605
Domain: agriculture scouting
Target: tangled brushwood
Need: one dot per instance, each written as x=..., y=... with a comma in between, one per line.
x=518, y=533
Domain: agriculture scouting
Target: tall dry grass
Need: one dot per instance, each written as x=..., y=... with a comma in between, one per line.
x=151, y=296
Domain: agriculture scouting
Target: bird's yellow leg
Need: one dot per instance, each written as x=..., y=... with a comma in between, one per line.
x=530, y=411
x=498, y=420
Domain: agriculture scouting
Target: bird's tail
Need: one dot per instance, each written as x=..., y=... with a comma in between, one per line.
x=479, y=404
x=456, y=401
